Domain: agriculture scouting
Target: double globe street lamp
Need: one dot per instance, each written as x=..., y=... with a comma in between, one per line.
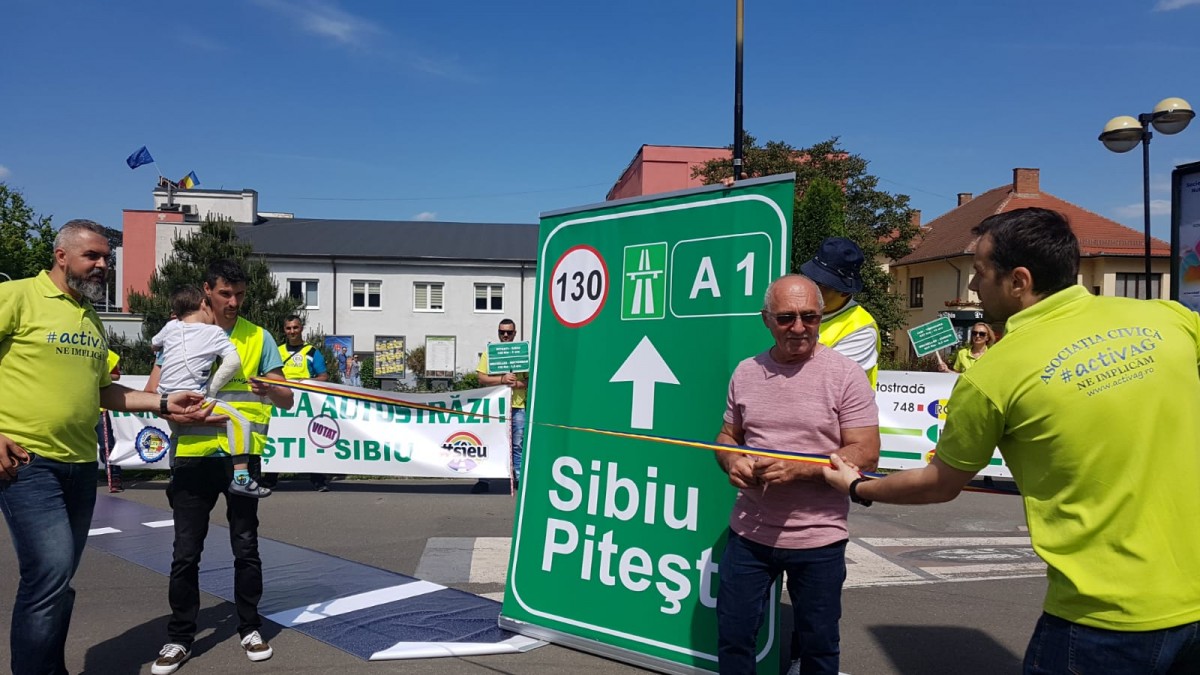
x=1122, y=134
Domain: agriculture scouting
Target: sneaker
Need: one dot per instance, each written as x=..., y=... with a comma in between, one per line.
x=249, y=489
x=480, y=488
x=169, y=659
x=256, y=648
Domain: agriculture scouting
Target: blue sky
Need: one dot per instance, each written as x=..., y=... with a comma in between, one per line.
x=486, y=110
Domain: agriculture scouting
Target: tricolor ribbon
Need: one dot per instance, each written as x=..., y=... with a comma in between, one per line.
x=317, y=387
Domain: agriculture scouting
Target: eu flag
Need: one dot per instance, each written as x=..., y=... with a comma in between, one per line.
x=139, y=158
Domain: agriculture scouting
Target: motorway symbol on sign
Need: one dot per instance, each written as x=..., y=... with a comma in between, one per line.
x=644, y=290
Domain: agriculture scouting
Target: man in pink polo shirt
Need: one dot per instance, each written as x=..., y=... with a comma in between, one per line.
x=798, y=395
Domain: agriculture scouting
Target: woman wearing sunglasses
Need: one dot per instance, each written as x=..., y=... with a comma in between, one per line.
x=978, y=340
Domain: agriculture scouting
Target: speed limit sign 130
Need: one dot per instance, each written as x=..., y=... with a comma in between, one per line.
x=578, y=286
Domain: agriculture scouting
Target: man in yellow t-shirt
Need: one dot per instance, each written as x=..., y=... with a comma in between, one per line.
x=53, y=379
x=507, y=332
x=1092, y=401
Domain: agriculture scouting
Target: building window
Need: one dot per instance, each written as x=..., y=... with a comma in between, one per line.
x=304, y=290
x=1134, y=286
x=427, y=297
x=364, y=295
x=916, y=292
x=489, y=297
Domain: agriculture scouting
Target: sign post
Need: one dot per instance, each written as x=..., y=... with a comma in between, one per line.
x=644, y=308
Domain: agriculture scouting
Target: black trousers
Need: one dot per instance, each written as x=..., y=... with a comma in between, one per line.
x=196, y=484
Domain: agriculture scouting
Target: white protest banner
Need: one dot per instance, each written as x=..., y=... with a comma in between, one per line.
x=912, y=412
x=350, y=430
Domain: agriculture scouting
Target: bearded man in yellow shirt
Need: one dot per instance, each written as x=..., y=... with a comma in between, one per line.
x=54, y=376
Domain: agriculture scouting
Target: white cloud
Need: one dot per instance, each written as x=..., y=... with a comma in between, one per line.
x=4, y=172
x=1168, y=5
x=1158, y=207
x=425, y=215
x=325, y=19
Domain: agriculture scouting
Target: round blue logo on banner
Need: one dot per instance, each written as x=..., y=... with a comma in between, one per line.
x=151, y=444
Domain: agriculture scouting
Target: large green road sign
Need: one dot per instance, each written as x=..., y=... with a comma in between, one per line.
x=644, y=308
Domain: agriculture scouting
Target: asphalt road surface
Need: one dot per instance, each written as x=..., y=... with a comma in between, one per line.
x=932, y=590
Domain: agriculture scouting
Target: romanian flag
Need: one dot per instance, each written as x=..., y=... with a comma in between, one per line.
x=189, y=181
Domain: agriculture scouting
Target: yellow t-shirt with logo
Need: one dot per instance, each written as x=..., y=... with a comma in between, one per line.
x=53, y=362
x=1095, y=404
x=518, y=394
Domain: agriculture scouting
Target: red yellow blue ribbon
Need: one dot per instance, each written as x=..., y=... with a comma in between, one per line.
x=793, y=455
x=317, y=387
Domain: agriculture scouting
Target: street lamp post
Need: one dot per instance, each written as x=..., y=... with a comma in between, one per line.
x=1123, y=134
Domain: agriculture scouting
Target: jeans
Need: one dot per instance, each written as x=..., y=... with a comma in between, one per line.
x=1060, y=646
x=814, y=580
x=518, y=440
x=196, y=483
x=49, y=511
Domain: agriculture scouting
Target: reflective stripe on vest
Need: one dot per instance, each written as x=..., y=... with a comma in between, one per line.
x=835, y=328
x=202, y=441
x=295, y=366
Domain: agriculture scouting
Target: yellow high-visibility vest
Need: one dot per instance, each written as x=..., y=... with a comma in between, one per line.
x=295, y=366
x=835, y=328
x=205, y=440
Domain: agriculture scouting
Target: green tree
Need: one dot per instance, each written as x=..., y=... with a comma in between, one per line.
x=26, y=239
x=879, y=222
x=186, y=265
x=820, y=213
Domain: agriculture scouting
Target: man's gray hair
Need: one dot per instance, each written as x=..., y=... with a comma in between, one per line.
x=74, y=228
x=787, y=277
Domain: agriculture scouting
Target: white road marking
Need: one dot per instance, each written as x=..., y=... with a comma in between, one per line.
x=1031, y=569
x=352, y=603
x=102, y=530
x=872, y=569
x=159, y=523
x=484, y=560
x=489, y=560
x=447, y=560
x=939, y=542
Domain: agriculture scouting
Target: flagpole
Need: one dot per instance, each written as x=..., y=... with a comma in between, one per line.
x=170, y=193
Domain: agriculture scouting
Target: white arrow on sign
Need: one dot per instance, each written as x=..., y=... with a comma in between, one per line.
x=645, y=368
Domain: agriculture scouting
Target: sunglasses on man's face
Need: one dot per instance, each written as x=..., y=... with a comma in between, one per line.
x=788, y=318
x=507, y=332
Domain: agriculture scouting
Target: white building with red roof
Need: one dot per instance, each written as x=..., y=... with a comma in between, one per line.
x=934, y=277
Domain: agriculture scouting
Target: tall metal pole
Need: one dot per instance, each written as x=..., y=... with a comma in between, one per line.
x=1146, y=135
x=737, y=98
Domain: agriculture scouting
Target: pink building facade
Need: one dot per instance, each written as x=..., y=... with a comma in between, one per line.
x=664, y=168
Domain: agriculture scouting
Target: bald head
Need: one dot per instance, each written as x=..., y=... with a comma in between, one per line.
x=790, y=285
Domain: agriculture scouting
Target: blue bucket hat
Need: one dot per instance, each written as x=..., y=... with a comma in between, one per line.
x=836, y=265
